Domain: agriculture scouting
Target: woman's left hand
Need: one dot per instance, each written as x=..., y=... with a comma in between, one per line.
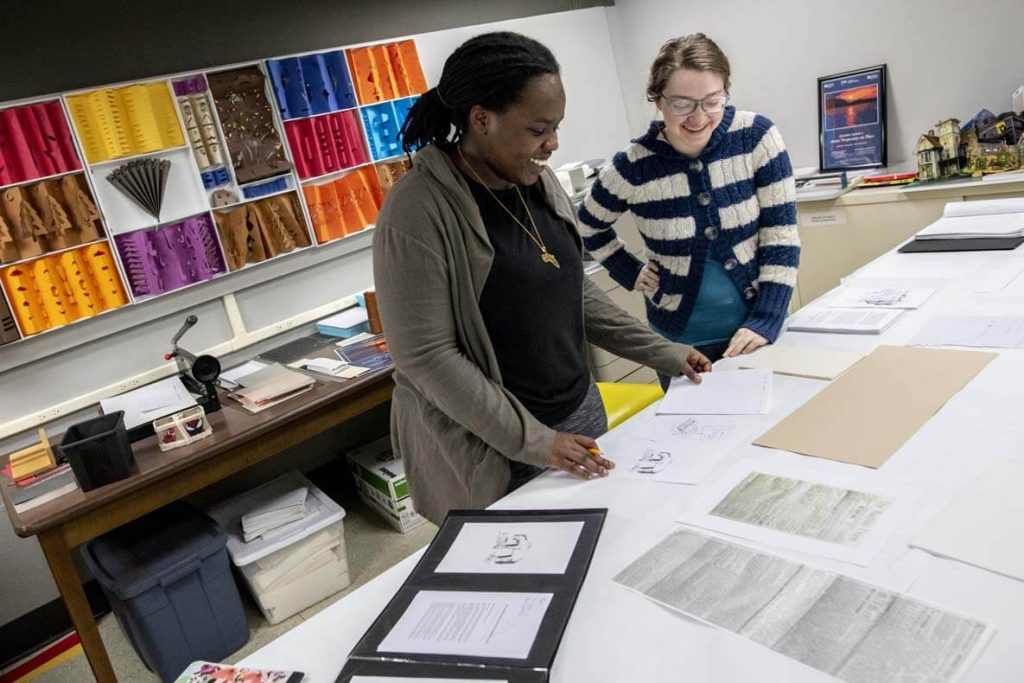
x=744, y=341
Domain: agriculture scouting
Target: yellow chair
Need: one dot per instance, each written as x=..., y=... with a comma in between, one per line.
x=623, y=400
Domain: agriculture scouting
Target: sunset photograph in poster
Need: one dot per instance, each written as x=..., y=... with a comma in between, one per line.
x=851, y=120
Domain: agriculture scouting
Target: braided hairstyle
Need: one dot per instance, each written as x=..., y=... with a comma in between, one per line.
x=490, y=70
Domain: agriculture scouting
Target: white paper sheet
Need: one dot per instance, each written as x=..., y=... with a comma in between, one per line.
x=346, y=318
x=512, y=548
x=724, y=392
x=802, y=361
x=679, y=449
x=1000, y=276
x=996, y=332
x=844, y=518
x=145, y=404
x=843, y=320
x=852, y=630
x=471, y=623
x=984, y=525
x=880, y=297
x=239, y=371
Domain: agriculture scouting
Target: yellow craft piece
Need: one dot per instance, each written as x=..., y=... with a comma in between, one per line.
x=26, y=302
x=118, y=122
x=623, y=400
x=85, y=290
x=57, y=297
x=34, y=459
x=104, y=274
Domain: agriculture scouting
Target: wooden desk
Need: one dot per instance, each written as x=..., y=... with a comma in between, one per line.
x=238, y=441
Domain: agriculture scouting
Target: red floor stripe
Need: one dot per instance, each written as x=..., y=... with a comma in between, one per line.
x=42, y=657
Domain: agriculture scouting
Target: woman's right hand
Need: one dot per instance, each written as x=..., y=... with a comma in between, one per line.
x=647, y=280
x=579, y=456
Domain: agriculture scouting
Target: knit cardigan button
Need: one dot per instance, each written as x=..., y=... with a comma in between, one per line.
x=749, y=293
x=731, y=264
x=704, y=199
x=710, y=233
x=696, y=166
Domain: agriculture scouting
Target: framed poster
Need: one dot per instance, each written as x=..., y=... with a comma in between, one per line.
x=851, y=120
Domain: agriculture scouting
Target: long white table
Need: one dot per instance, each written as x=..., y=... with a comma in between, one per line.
x=616, y=635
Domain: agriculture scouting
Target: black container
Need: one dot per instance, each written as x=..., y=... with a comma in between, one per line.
x=98, y=450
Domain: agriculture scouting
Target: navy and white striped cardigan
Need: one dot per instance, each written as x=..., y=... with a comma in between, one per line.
x=738, y=198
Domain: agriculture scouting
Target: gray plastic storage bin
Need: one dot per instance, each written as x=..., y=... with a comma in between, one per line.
x=169, y=583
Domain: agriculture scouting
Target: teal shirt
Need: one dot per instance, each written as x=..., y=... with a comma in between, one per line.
x=718, y=312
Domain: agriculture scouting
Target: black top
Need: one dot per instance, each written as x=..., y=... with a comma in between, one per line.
x=532, y=310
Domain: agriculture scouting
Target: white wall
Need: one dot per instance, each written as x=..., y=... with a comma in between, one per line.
x=945, y=57
x=595, y=120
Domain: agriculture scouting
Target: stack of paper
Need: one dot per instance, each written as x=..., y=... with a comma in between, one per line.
x=880, y=297
x=269, y=386
x=966, y=220
x=278, y=512
x=844, y=320
x=345, y=324
x=145, y=404
x=33, y=491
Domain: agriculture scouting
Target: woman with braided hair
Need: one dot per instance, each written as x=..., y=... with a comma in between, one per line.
x=479, y=277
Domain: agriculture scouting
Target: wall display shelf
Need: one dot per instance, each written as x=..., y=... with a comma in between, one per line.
x=311, y=84
x=119, y=194
x=202, y=128
x=58, y=289
x=45, y=216
x=170, y=257
x=181, y=192
x=386, y=72
x=261, y=229
x=114, y=123
x=383, y=122
x=344, y=205
x=8, y=327
x=35, y=143
x=253, y=140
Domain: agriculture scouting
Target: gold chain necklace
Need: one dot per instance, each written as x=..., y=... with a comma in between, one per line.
x=545, y=255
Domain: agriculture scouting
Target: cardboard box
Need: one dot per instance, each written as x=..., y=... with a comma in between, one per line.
x=376, y=465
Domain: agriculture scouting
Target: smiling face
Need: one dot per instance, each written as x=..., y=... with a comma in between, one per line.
x=690, y=134
x=514, y=146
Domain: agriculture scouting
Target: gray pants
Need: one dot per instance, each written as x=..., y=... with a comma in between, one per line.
x=589, y=419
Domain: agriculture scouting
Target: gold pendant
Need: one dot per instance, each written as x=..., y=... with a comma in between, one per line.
x=548, y=257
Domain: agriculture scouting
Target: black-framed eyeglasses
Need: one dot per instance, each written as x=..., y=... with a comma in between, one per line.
x=684, y=106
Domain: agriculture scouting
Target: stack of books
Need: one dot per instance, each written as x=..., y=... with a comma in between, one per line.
x=995, y=224
x=30, y=492
x=276, y=516
x=269, y=386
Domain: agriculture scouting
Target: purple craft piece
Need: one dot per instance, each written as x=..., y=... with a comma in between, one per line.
x=139, y=261
x=198, y=235
x=170, y=257
x=188, y=86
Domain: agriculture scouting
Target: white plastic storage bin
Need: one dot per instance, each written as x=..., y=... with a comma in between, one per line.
x=299, y=576
x=290, y=571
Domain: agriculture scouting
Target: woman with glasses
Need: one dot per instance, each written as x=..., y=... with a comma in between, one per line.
x=712, y=192
x=479, y=272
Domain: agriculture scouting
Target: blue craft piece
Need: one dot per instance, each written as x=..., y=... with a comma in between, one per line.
x=277, y=80
x=215, y=177
x=289, y=87
x=338, y=80
x=316, y=92
x=263, y=189
x=382, y=128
